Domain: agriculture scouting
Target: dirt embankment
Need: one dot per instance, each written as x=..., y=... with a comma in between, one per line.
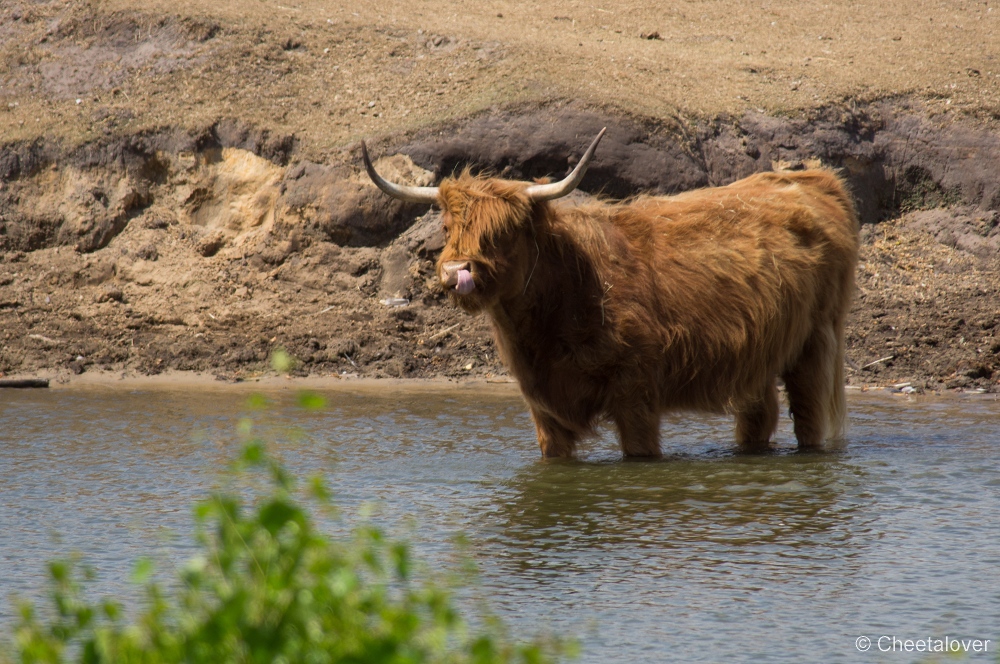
x=205, y=250
x=203, y=244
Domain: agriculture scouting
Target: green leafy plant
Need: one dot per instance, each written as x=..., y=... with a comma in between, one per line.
x=270, y=587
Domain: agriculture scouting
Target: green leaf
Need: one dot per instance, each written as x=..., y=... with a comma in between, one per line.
x=245, y=427
x=257, y=402
x=281, y=361
x=319, y=490
x=401, y=559
x=253, y=453
x=59, y=570
x=276, y=514
x=311, y=401
x=142, y=571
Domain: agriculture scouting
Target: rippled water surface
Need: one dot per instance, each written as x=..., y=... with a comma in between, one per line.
x=707, y=556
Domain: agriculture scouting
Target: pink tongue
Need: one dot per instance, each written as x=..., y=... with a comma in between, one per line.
x=465, y=283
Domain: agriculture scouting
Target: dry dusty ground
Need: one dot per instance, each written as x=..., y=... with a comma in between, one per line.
x=179, y=185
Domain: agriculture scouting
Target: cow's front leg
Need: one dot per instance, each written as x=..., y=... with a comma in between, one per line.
x=554, y=440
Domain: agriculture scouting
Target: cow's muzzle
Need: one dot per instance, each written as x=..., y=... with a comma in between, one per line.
x=457, y=276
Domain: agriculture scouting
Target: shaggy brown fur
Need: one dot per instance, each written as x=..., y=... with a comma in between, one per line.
x=692, y=302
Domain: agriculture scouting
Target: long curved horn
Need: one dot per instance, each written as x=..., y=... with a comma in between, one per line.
x=402, y=192
x=547, y=192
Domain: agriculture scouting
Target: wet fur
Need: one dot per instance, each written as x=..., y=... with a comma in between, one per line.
x=689, y=302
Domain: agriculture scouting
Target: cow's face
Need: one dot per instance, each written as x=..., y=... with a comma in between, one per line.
x=488, y=239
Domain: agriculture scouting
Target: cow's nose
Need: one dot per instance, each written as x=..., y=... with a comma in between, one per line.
x=450, y=270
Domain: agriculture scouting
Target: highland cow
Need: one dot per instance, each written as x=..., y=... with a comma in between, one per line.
x=624, y=311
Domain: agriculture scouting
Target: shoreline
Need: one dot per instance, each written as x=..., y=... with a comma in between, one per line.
x=203, y=381
x=170, y=380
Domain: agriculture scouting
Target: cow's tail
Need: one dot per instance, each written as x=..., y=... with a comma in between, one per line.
x=835, y=188
x=837, y=405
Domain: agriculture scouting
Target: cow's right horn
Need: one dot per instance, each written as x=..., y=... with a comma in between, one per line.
x=547, y=192
x=402, y=192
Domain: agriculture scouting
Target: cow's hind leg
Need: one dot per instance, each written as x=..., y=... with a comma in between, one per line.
x=638, y=432
x=554, y=439
x=757, y=420
x=815, y=385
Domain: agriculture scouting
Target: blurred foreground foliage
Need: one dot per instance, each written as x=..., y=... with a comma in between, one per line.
x=268, y=587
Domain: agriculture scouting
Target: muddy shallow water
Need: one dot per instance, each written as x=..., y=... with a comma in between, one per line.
x=707, y=556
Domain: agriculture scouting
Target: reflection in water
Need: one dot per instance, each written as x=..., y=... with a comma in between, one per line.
x=706, y=556
x=744, y=506
x=680, y=541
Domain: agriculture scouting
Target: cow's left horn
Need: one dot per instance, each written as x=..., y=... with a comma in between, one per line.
x=547, y=192
x=402, y=192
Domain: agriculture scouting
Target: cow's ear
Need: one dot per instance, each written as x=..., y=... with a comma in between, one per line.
x=542, y=180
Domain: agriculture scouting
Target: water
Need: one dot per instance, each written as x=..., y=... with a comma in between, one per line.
x=707, y=556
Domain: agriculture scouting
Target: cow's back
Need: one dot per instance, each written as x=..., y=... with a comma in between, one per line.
x=740, y=277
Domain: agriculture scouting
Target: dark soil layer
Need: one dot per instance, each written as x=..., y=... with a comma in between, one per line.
x=204, y=249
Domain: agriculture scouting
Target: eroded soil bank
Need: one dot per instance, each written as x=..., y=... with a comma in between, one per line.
x=205, y=248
